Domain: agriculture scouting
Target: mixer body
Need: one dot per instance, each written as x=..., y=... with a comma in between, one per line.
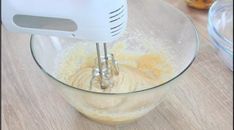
x=96, y=20
x=99, y=21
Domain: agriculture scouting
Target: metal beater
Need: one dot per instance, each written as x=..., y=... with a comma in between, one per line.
x=106, y=68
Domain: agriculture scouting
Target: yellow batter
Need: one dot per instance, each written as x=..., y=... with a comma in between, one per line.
x=136, y=72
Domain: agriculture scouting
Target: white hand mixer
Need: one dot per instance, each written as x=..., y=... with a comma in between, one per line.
x=99, y=21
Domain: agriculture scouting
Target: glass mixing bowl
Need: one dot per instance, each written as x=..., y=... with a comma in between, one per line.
x=153, y=26
x=220, y=28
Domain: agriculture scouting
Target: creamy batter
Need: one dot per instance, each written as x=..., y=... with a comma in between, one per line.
x=137, y=71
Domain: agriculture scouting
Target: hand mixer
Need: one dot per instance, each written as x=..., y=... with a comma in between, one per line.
x=99, y=21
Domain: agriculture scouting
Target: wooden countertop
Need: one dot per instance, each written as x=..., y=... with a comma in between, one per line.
x=203, y=102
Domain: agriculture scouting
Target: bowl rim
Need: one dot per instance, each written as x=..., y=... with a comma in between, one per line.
x=226, y=47
x=197, y=42
x=212, y=11
x=220, y=47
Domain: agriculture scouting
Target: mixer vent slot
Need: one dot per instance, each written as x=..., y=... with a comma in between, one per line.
x=115, y=34
x=117, y=10
x=115, y=16
x=118, y=26
x=116, y=30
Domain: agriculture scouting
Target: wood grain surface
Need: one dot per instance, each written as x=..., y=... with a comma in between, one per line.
x=202, y=102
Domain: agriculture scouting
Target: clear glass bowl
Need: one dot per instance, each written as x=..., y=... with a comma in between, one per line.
x=153, y=25
x=220, y=28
